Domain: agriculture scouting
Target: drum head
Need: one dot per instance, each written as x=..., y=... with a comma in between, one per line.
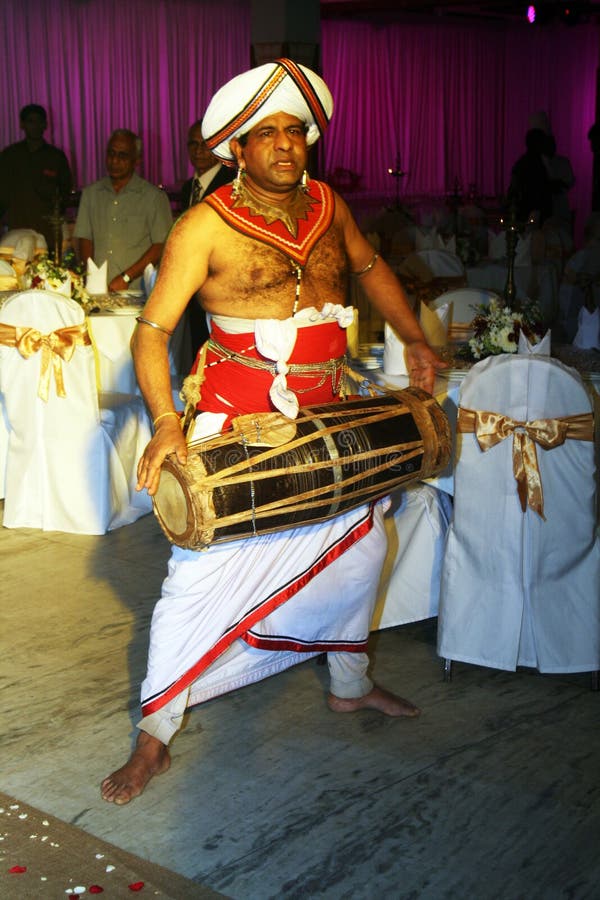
x=171, y=507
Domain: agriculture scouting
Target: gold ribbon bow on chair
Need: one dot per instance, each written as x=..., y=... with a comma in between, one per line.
x=490, y=428
x=55, y=347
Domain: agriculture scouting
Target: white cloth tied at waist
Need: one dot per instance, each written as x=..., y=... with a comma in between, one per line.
x=275, y=340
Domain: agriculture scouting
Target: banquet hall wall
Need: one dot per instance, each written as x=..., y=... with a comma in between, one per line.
x=449, y=101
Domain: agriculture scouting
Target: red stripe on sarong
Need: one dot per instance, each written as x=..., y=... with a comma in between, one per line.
x=272, y=643
x=263, y=609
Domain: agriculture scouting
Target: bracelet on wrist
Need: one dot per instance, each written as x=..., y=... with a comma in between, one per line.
x=171, y=412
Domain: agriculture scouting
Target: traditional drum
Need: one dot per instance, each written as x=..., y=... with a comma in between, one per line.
x=270, y=473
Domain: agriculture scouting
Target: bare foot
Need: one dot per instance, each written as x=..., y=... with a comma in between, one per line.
x=149, y=758
x=377, y=698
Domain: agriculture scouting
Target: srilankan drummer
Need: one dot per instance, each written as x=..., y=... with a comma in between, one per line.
x=269, y=257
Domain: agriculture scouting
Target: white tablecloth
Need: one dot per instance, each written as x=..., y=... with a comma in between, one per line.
x=111, y=335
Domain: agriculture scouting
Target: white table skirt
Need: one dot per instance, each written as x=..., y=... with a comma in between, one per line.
x=111, y=335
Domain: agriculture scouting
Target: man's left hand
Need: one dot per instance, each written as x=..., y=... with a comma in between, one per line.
x=423, y=364
x=118, y=285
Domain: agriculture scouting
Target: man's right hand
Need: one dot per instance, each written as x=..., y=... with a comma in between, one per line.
x=168, y=438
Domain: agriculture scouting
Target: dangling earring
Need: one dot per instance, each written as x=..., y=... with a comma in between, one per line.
x=305, y=182
x=236, y=188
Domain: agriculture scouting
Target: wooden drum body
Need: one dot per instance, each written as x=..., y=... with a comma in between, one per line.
x=271, y=473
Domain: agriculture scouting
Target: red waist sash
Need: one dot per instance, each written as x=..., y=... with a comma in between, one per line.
x=235, y=389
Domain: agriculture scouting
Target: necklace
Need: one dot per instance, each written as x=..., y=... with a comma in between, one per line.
x=298, y=207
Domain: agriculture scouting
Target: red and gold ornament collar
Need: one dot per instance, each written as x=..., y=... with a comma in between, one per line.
x=310, y=228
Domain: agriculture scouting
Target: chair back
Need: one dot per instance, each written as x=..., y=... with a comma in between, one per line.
x=462, y=304
x=520, y=579
x=56, y=448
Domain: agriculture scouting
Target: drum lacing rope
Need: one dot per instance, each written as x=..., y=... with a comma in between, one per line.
x=252, y=491
x=330, y=367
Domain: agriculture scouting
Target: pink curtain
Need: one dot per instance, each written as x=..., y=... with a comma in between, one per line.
x=454, y=102
x=97, y=65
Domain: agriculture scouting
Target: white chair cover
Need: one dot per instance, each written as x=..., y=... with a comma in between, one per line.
x=518, y=590
x=442, y=262
x=462, y=302
x=581, y=280
x=70, y=463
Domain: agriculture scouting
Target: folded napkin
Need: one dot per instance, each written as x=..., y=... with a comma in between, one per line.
x=449, y=244
x=96, y=280
x=58, y=287
x=588, y=331
x=542, y=348
x=496, y=245
x=149, y=278
x=434, y=323
x=352, y=332
x=394, y=358
x=426, y=240
x=523, y=251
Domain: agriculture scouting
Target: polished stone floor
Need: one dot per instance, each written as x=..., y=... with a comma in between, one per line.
x=493, y=793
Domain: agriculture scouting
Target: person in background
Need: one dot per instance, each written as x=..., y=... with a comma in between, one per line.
x=594, y=139
x=209, y=174
x=562, y=179
x=530, y=186
x=122, y=218
x=34, y=175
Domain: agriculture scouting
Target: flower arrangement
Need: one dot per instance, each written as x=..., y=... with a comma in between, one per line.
x=44, y=274
x=496, y=328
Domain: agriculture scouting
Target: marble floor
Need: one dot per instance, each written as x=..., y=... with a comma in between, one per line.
x=493, y=793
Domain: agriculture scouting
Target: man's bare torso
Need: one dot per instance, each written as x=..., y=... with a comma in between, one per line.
x=249, y=279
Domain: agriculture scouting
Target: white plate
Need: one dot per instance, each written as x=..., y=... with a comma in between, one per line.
x=125, y=310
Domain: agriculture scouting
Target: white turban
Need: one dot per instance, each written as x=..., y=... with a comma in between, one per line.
x=281, y=86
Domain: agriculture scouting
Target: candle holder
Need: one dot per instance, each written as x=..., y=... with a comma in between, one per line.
x=397, y=173
x=56, y=220
x=513, y=229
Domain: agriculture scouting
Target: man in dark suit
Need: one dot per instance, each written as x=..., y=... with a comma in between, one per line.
x=209, y=174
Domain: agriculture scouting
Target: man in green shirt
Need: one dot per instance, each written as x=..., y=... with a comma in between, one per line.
x=122, y=218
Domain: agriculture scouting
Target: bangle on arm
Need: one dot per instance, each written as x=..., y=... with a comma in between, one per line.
x=368, y=266
x=171, y=412
x=144, y=321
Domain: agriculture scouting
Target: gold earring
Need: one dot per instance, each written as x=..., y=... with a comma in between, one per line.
x=305, y=182
x=236, y=188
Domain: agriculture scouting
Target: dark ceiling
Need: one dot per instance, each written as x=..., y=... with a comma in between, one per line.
x=450, y=10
